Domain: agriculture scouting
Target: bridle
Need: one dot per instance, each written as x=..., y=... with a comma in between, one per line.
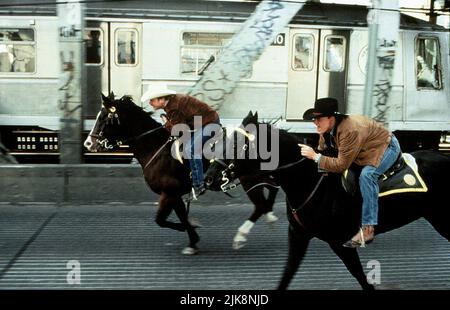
x=113, y=117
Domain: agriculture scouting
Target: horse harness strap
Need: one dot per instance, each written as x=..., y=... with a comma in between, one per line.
x=261, y=184
x=294, y=211
x=269, y=172
x=289, y=165
x=231, y=166
x=143, y=134
x=157, y=152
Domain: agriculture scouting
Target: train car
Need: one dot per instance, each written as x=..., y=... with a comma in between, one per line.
x=131, y=45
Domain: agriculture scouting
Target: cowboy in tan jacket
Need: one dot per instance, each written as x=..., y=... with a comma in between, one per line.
x=359, y=140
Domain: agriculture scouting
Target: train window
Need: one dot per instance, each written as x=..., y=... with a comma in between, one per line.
x=17, y=50
x=126, y=47
x=198, y=48
x=303, y=52
x=334, y=54
x=428, y=66
x=93, y=39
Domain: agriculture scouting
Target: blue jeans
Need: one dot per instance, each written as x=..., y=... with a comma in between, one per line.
x=368, y=183
x=195, y=160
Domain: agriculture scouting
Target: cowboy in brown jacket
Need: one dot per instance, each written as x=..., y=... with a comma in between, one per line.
x=181, y=109
x=359, y=140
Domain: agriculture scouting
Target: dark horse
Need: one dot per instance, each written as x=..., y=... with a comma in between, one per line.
x=318, y=206
x=121, y=121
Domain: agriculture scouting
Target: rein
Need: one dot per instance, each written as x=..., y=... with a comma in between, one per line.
x=269, y=172
x=143, y=134
x=231, y=166
x=158, y=152
x=261, y=184
x=311, y=195
x=288, y=165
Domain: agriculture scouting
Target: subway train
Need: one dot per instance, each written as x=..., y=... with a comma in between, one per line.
x=130, y=45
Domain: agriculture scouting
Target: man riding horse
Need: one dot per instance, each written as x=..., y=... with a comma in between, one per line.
x=358, y=139
x=185, y=109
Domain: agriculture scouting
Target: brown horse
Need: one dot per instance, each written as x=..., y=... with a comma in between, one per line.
x=121, y=121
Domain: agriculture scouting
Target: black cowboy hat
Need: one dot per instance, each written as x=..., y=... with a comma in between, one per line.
x=322, y=107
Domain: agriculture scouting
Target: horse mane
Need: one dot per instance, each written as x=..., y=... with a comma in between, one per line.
x=136, y=123
x=253, y=119
x=284, y=133
x=128, y=102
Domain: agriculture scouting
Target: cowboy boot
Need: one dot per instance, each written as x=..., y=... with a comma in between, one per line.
x=364, y=236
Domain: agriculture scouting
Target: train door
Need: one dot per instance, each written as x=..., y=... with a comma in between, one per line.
x=126, y=60
x=425, y=83
x=113, y=62
x=96, y=37
x=317, y=68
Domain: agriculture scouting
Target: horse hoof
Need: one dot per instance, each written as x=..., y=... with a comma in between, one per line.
x=189, y=251
x=271, y=218
x=238, y=245
x=239, y=240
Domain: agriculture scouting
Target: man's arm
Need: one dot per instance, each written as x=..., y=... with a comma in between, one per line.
x=350, y=145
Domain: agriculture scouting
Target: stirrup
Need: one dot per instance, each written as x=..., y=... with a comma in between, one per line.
x=356, y=243
x=352, y=244
x=198, y=192
x=363, y=241
x=194, y=197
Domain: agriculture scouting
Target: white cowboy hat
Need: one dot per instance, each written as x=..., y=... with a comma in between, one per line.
x=157, y=92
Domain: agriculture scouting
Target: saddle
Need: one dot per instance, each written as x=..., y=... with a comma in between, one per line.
x=178, y=152
x=403, y=176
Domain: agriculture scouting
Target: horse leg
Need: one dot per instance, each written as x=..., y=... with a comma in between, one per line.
x=180, y=210
x=351, y=260
x=255, y=188
x=166, y=205
x=270, y=217
x=298, y=243
x=262, y=206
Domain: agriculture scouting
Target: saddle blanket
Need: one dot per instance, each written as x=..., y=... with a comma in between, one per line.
x=402, y=179
x=406, y=180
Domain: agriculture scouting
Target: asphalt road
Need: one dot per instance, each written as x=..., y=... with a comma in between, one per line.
x=118, y=246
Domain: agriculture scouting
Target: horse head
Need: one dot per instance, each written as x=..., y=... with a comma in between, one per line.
x=112, y=125
x=100, y=137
